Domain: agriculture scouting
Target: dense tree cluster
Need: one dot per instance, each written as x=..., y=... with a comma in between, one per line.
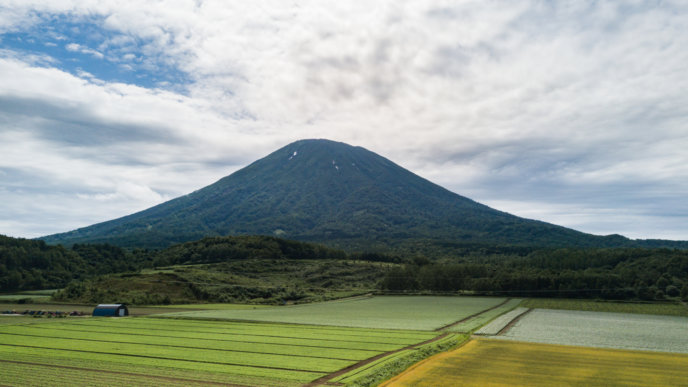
x=631, y=273
x=221, y=249
x=32, y=264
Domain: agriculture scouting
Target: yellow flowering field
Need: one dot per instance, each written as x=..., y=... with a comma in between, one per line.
x=485, y=362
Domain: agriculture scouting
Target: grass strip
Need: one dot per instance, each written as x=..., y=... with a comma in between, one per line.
x=385, y=370
x=606, y=306
x=370, y=367
x=371, y=373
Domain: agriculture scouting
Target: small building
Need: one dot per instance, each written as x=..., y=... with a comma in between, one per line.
x=111, y=310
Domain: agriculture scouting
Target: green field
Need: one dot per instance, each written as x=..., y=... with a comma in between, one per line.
x=148, y=350
x=607, y=306
x=294, y=345
x=389, y=312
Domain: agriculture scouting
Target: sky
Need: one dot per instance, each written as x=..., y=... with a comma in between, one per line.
x=571, y=112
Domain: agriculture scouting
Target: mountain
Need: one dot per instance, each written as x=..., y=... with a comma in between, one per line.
x=333, y=193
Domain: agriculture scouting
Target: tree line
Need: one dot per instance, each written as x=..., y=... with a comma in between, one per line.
x=611, y=273
x=619, y=273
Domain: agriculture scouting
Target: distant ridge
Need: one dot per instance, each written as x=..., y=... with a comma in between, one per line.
x=333, y=193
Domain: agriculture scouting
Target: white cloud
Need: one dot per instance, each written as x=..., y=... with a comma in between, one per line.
x=75, y=47
x=556, y=109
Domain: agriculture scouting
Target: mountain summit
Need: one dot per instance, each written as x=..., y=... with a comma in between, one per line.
x=329, y=192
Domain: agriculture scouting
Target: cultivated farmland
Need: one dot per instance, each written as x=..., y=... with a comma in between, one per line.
x=474, y=322
x=501, y=322
x=483, y=362
x=601, y=329
x=390, y=312
x=187, y=351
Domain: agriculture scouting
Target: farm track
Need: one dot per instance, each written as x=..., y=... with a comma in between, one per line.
x=157, y=377
x=325, y=379
x=167, y=358
x=184, y=346
x=472, y=316
x=221, y=340
x=513, y=322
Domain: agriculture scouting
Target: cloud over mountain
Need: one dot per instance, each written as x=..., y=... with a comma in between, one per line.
x=573, y=113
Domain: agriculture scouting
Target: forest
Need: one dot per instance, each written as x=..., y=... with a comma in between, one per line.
x=607, y=273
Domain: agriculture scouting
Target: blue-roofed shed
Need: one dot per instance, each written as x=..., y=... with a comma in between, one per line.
x=111, y=310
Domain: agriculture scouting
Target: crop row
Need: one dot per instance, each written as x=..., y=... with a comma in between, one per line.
x=191, y=365
x=188, y=333
x=201, y=355
x=169, y=369
x=261, y=348
x=31, y=374
x=293, y=328
x=277, y=330
x=254, y=350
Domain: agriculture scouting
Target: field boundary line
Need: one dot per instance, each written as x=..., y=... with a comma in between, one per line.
x=328, y=377
x=473, y=315
x=513, y=322
x=124, y=373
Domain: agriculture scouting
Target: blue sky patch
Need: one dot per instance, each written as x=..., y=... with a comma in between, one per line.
x=83, y=48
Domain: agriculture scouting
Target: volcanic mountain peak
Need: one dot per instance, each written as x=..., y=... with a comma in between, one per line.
x=329, y=192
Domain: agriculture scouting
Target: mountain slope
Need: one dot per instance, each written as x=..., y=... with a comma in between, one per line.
x=325, y=191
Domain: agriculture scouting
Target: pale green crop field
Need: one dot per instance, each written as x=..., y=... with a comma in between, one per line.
x=213, y=306
x=496, y=325
x=146, y=351
x=602, y=329
x=387, y=312
x=483, y=318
